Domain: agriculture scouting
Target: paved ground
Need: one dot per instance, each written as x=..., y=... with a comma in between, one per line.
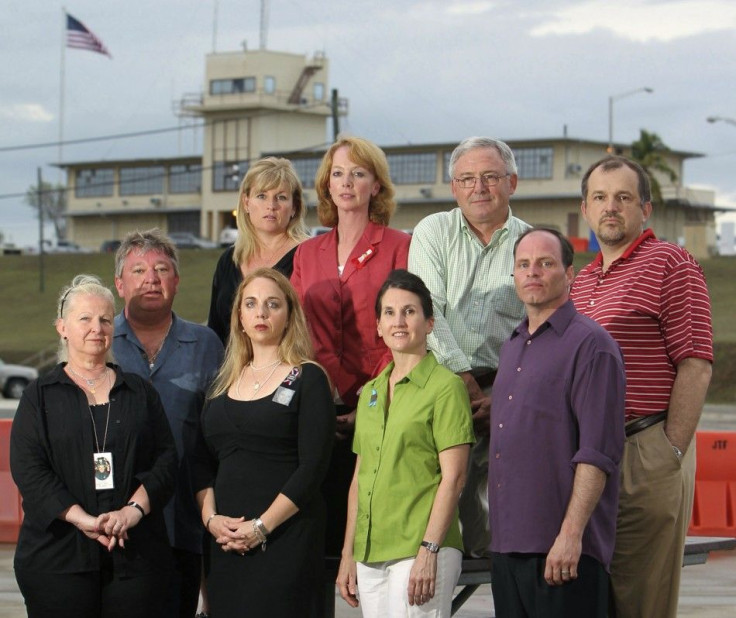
x=707, y=591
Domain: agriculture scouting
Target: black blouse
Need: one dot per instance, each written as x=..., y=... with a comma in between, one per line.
x=225, y=282
x=51, y=447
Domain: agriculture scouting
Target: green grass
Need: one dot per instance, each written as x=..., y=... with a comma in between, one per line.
x=26, y=314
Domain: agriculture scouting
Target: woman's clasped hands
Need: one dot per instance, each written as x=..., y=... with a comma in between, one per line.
x=234, y=533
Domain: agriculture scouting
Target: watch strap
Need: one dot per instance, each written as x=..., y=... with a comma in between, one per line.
x=433, y=548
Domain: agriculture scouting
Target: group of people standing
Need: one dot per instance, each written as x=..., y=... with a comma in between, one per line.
x=342, y=403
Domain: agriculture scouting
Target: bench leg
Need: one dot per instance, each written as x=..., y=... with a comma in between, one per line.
x=463, y=596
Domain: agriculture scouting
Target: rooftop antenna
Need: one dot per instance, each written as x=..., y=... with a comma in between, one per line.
x=214, y=27
x=263, y=43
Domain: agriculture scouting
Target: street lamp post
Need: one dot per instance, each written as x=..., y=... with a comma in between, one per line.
x=616, y=97
x=712, y=119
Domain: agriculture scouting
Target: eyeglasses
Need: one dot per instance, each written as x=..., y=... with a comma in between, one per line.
x=488, y=180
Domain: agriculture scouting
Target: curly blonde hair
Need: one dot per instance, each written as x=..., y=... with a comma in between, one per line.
x=295, y=347
x=364, y=153
x=264, y=175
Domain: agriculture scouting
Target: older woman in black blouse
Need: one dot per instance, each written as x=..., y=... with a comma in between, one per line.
x=94, y=459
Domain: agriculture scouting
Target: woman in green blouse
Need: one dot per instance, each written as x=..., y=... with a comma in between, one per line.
x=403, y=549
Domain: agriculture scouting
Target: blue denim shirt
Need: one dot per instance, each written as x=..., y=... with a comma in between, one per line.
x=182, y=373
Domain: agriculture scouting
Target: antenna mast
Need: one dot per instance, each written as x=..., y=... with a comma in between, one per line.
x=264, y=25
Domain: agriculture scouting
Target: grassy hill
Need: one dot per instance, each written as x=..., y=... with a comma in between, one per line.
x=26, y=314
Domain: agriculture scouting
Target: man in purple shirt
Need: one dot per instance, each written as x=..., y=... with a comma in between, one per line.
x=557, y=435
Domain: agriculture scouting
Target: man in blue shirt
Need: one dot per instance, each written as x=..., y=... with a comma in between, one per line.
x=557, y=419
x=181, y=359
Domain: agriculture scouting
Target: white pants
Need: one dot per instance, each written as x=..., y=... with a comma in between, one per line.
x=383, y=587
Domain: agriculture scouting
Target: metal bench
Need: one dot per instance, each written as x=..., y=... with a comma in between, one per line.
x=477, y=571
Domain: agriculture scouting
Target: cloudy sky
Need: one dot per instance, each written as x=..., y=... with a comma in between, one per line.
x=414, y=71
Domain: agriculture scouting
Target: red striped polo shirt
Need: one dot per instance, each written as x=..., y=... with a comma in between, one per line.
x=654, y=302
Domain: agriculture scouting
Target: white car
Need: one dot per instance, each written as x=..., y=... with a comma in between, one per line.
x=15, y=378
x=187, y=240
x=228, y=236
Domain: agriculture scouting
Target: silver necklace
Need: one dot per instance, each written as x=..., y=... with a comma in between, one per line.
x=107, y=423
x=256, y=384
x=91, y=383
x=254, y=368
x=154, y=356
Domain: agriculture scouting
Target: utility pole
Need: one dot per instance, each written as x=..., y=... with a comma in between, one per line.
x=335, y=116
x=41, y=283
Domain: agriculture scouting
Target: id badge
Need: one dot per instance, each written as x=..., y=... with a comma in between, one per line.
x=283, y=396
x=103, y=471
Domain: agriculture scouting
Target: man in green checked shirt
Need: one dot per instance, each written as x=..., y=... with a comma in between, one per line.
x=465, y=257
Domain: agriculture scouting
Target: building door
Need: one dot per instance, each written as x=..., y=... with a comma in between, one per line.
x=572, y=225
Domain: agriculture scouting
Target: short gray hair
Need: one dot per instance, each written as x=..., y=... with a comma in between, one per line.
x=474, y=143
x=81, y=285
x=149, y=240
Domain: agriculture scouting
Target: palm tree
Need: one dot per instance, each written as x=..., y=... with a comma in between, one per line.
x=649, y=152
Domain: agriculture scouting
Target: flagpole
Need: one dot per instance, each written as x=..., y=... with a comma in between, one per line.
x=62, y=91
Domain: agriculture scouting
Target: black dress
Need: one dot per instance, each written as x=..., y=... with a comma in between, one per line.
x=225, y=282
x=280, y=443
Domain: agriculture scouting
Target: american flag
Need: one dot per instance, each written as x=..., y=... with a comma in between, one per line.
x=79, y=36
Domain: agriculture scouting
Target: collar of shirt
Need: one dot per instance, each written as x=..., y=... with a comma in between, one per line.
x=419, y=375
x=558, y=321
x=496, y=238
x=645, y=235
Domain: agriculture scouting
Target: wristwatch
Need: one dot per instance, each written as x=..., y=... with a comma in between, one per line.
x=432, y=548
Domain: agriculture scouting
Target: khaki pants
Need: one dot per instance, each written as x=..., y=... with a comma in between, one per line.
x=654, y=511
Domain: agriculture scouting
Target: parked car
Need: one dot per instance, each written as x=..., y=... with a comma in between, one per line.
x=187, y=240
x=109, y=246
x=228, y=236
x=319, y=230
x=65, y=246
x=15, y=378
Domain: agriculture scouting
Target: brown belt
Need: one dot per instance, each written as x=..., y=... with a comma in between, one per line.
x=484, y=377
x=640, y=424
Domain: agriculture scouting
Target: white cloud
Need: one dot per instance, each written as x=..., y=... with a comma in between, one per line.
x=27, y=112
x=469, y=8
x=642, y=21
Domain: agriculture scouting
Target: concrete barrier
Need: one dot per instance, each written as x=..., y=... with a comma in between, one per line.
x=714, y=509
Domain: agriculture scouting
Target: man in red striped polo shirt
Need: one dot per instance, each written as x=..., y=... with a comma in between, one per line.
x=651, y=297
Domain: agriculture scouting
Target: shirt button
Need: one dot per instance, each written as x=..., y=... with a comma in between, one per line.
x=528, y=342
x=498, y=455
x=511, y=397
x=591, y=303
x=378, y=448
x=500, y=425
x=518, y=369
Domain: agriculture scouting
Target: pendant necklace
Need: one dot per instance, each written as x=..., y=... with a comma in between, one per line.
x=154, y=356
x=257, y=383
x=102, y=459
x=91, y=383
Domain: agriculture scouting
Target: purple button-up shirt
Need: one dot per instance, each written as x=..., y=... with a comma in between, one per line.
x=558, y=400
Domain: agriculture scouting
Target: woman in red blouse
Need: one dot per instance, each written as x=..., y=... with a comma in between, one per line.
x=337, y=276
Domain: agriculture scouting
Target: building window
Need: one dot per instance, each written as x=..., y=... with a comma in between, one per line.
x=184, y=222
x=306, y=169
x=269, y=84
x=185, y=178
x=319, y=91
x=227, y=175
x=534, y=162
x=413, y=168
x=446, y=167
x=94, y=183
x=233, y=86
x=142, y=180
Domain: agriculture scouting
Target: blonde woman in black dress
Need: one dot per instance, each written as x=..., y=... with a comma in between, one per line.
x=268, y=431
